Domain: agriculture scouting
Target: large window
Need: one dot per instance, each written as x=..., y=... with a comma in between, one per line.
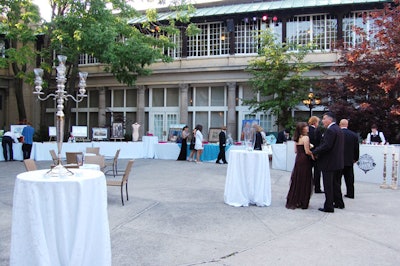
x=246, y=36
x=85, y=59
x=213, y=40
x=361, y=20
x=318, y=30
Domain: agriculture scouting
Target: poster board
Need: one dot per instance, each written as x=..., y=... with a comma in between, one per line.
x=52, y=131
x=117, y=131
x=248, y=127
x=99, y=133
x=174, y=134
x=213, y=134
x=17, y=130
x=79, y=131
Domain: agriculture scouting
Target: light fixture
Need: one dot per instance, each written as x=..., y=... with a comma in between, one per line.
x=264, y=17
x=312, y=101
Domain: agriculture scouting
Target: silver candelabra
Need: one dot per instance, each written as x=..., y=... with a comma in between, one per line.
x=60, y=96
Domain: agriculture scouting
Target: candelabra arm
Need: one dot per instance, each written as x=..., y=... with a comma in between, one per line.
x=78, y=100
x=47, y=97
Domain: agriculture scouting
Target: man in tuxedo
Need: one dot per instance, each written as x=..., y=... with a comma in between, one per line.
x=331, y=162
x=222, y=145
x=351, y=155
x=283, y=136
x=315, y=136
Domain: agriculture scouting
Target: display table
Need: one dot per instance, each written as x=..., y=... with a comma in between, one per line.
x=166, y=151
x=279, y=156
x=17, y=152
x=248, y=179
x=60, y=221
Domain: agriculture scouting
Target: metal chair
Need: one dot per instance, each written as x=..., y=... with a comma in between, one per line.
x=124, y=180
x=30, y=165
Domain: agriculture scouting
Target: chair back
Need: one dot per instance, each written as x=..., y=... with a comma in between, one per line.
x=72, y=157
x=94, y=150
x=96, y=159
x=116, y=155
x=54, y=157
x=30, y=165
x=127, y=171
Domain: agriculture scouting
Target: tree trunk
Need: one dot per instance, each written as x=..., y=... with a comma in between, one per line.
x=18, y=84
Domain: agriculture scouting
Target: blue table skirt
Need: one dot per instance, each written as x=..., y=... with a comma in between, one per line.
x=210, y=152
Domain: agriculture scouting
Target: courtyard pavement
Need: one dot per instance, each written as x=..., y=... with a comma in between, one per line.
x=176, y=216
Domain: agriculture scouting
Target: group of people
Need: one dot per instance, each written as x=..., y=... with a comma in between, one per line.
x=196, y=145
x=332, y=153
x=27, y=142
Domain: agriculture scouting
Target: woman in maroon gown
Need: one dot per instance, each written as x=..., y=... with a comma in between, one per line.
x=301, y=180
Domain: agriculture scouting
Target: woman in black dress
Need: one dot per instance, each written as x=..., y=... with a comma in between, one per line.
x=183, y=154
x=301, y=180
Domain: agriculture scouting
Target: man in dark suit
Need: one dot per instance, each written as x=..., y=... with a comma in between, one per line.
x=222, y=145
x=351, y=155
x=331, y=162
x=315, y=136
x=283, y=136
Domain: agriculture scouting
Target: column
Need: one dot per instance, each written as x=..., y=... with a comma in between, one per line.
x=140, y=117
x=183, y=93
x=102, y=107
x=231, y=117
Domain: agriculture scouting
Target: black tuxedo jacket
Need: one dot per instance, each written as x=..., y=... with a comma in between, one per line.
x=331, y=150
x=315, y=136
x=351, y=147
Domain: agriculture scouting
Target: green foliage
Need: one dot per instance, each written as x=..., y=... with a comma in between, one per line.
x=277, y=76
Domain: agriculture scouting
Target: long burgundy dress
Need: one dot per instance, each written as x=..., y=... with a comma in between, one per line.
x=301, y=181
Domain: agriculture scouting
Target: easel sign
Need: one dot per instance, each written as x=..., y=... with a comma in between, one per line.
x=52, y=133
x=117, y=131
x=17, y=130
x=79, y=132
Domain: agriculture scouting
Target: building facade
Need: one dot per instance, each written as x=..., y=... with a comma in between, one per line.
x=207, y=82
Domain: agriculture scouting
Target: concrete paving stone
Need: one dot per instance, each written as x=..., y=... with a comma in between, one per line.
x=176, y=216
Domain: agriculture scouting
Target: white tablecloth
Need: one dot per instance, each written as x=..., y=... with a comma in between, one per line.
x=248, y=179
x=279, y=156
x=41, y=149
x=166, y=151
x=148, y=146
x=60, y=221
x=17, y=152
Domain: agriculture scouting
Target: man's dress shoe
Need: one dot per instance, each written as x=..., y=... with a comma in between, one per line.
x=338, y=206
x=350, y=197
x=325, y=210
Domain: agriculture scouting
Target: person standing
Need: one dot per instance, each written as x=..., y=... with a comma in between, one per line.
x=27, y=133
x=375, y=136
x=315, y=136
x=351, y=155
x=283, y=136
x=198, y=146
x=185, y=134
x=8, y=139
x=331, y=162
x=301, y=179
x=259, y=141
x=222, y=145
x=191, y=146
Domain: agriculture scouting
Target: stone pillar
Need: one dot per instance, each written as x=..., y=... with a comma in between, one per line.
x=102, y=107
x=231, y=117
x=183, y=93
x=140, y=117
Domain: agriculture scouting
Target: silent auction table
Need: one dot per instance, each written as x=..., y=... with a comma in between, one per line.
x=248, y=179
x=60, y=220
x=170, y=151
x=17, y=152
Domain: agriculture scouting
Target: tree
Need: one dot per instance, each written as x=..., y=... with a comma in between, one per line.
x=277, y=75
x=100, y=28
x=369, y=90
x=18, y=20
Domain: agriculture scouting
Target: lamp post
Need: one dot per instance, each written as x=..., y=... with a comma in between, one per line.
x=312, y=101
x=60, y=96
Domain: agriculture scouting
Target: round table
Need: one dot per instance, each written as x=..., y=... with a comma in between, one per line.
x=60, y=220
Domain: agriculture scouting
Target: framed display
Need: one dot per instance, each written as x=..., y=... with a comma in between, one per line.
x=248, y=127
x=117, y=131
x=79, y=131
x=174, y=134
x=213, y=134
x=17, y=130
x=52, y=131
x=99, y=133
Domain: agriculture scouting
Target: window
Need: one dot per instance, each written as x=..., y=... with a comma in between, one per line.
x=213, y=40
x=246, y=35
x=85, y=59
x=355, y=20
x=318, y=30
